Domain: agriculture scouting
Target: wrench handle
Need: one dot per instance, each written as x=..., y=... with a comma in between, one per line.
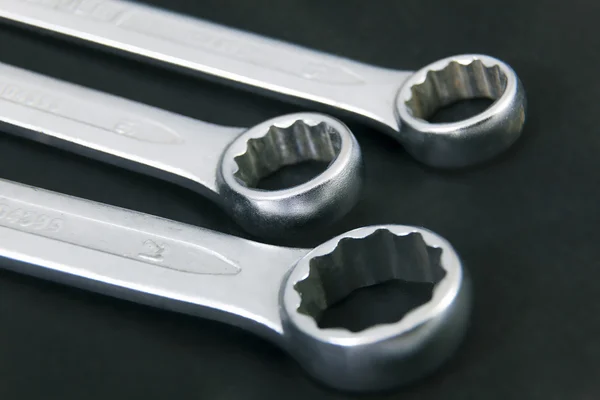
x=239, y=58
x=141, y=257
x=105, y=127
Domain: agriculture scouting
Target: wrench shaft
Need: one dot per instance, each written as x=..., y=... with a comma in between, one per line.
x=143, y=258
x=239, y=58
x=132, y=135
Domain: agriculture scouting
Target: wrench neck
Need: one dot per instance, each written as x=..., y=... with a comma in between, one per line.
x=371, y=102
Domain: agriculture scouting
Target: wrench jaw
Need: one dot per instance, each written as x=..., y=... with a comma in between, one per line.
x=283, y=141
x=470, y=141
x=382, y=356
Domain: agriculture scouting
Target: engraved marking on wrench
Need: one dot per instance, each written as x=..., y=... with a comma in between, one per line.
x=155, y=252
x=151, y=249
x=195, y=37
x=28, y=220
x=30, y=98
x=146, y=131
x=96, y=9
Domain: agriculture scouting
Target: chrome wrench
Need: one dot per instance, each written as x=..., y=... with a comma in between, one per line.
x=223, y=163
x=276, y=292
x=397, y=102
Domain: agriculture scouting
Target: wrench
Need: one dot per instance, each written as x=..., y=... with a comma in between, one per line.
x=223, y=163
x=276, y=292
x=398, y=103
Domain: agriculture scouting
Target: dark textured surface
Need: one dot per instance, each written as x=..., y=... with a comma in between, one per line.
x=525, y=224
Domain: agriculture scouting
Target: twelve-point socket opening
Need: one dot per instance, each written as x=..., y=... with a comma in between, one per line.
x=455, y=83
x=360, y=263
x=286, y=146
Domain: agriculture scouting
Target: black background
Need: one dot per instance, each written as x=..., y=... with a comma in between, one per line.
x=525, y=224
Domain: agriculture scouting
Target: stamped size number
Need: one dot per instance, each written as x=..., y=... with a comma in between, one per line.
x=153, y=251
x=28, y=219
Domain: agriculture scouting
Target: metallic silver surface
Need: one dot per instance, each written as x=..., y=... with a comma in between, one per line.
x=223, y=163
x=397, y=102
x=276, y=292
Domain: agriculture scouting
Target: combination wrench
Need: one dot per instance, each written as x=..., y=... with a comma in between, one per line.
x=276, y=292
x=398, y=103
x=223, y=163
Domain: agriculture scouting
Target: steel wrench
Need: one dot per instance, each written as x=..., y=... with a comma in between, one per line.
x=276, y=292
x=397, y=102
x=223, y=163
